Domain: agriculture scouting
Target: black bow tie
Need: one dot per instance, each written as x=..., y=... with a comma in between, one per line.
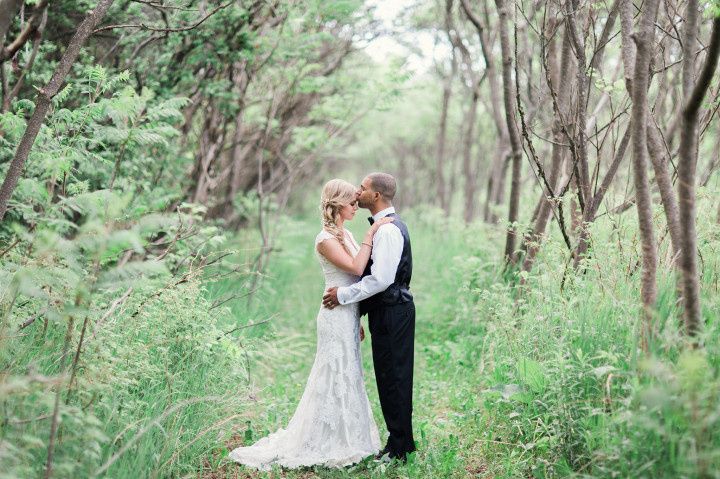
x=371, y=220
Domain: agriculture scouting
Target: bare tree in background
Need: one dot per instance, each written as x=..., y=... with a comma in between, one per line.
x=516, y=148
x=440, y=154
x=495, y=177
x=643, y=38
x=470, y=164
x=687, y=164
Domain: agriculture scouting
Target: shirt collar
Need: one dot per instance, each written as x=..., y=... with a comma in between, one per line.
x=383, y=213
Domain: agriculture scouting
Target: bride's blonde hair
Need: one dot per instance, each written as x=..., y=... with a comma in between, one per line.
x=336, y=194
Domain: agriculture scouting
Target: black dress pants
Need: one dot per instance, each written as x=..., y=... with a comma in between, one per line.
x=393, y=337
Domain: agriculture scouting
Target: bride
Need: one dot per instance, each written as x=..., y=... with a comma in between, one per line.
x=333, y=424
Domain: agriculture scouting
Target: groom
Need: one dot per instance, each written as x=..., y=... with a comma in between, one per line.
x=384, y=295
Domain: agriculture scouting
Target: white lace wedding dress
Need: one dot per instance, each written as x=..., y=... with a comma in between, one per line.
x=333, y=424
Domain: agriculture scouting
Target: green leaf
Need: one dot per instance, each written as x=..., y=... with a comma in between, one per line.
x=530, y=372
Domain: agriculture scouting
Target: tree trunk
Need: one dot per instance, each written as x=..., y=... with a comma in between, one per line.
x=496, y=178
x=660, y=161
x=469, y=172
x=515, y=146
x=655, y=144
x=490, y=70
x=689, y=43
x=582, y=170
x=643, y=40
x=493, y=194
x=28, y=31
x=686, y=183
x=8, y=10
x=44, y=99
x=442, y=193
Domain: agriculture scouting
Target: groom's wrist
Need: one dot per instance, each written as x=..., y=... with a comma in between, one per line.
x=340, y=296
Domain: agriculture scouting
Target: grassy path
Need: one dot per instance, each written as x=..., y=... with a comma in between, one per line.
x=447, y=420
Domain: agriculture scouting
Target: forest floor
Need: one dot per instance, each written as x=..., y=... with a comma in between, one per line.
x=448, y=423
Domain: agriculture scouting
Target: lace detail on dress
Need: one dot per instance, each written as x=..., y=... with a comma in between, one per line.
x=333, y=424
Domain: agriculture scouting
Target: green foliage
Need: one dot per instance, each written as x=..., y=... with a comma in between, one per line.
x=568, y=392
x=113, y=141
x=89, y=251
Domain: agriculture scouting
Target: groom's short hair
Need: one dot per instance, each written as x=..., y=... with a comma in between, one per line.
x=384, y=184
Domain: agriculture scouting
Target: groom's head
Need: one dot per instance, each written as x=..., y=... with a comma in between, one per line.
x=377, y=191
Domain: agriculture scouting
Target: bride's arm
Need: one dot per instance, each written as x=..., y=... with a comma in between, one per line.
x=337, y=255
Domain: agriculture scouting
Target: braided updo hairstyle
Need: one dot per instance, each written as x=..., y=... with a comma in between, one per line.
x=336, y=194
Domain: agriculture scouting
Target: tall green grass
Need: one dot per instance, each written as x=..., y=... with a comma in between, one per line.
x=542, y=381
x=151, y=393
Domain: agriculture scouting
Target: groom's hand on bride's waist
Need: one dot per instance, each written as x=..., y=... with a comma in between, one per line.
x=330, y=299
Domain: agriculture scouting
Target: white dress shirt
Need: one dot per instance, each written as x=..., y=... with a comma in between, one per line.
x=387, y=249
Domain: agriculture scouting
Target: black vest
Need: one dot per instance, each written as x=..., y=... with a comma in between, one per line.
x=399, y=291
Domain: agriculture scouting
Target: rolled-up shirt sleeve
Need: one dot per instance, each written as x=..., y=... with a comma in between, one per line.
x=386, y=253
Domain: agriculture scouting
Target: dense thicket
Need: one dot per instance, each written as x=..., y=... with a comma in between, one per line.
x=156, y=129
